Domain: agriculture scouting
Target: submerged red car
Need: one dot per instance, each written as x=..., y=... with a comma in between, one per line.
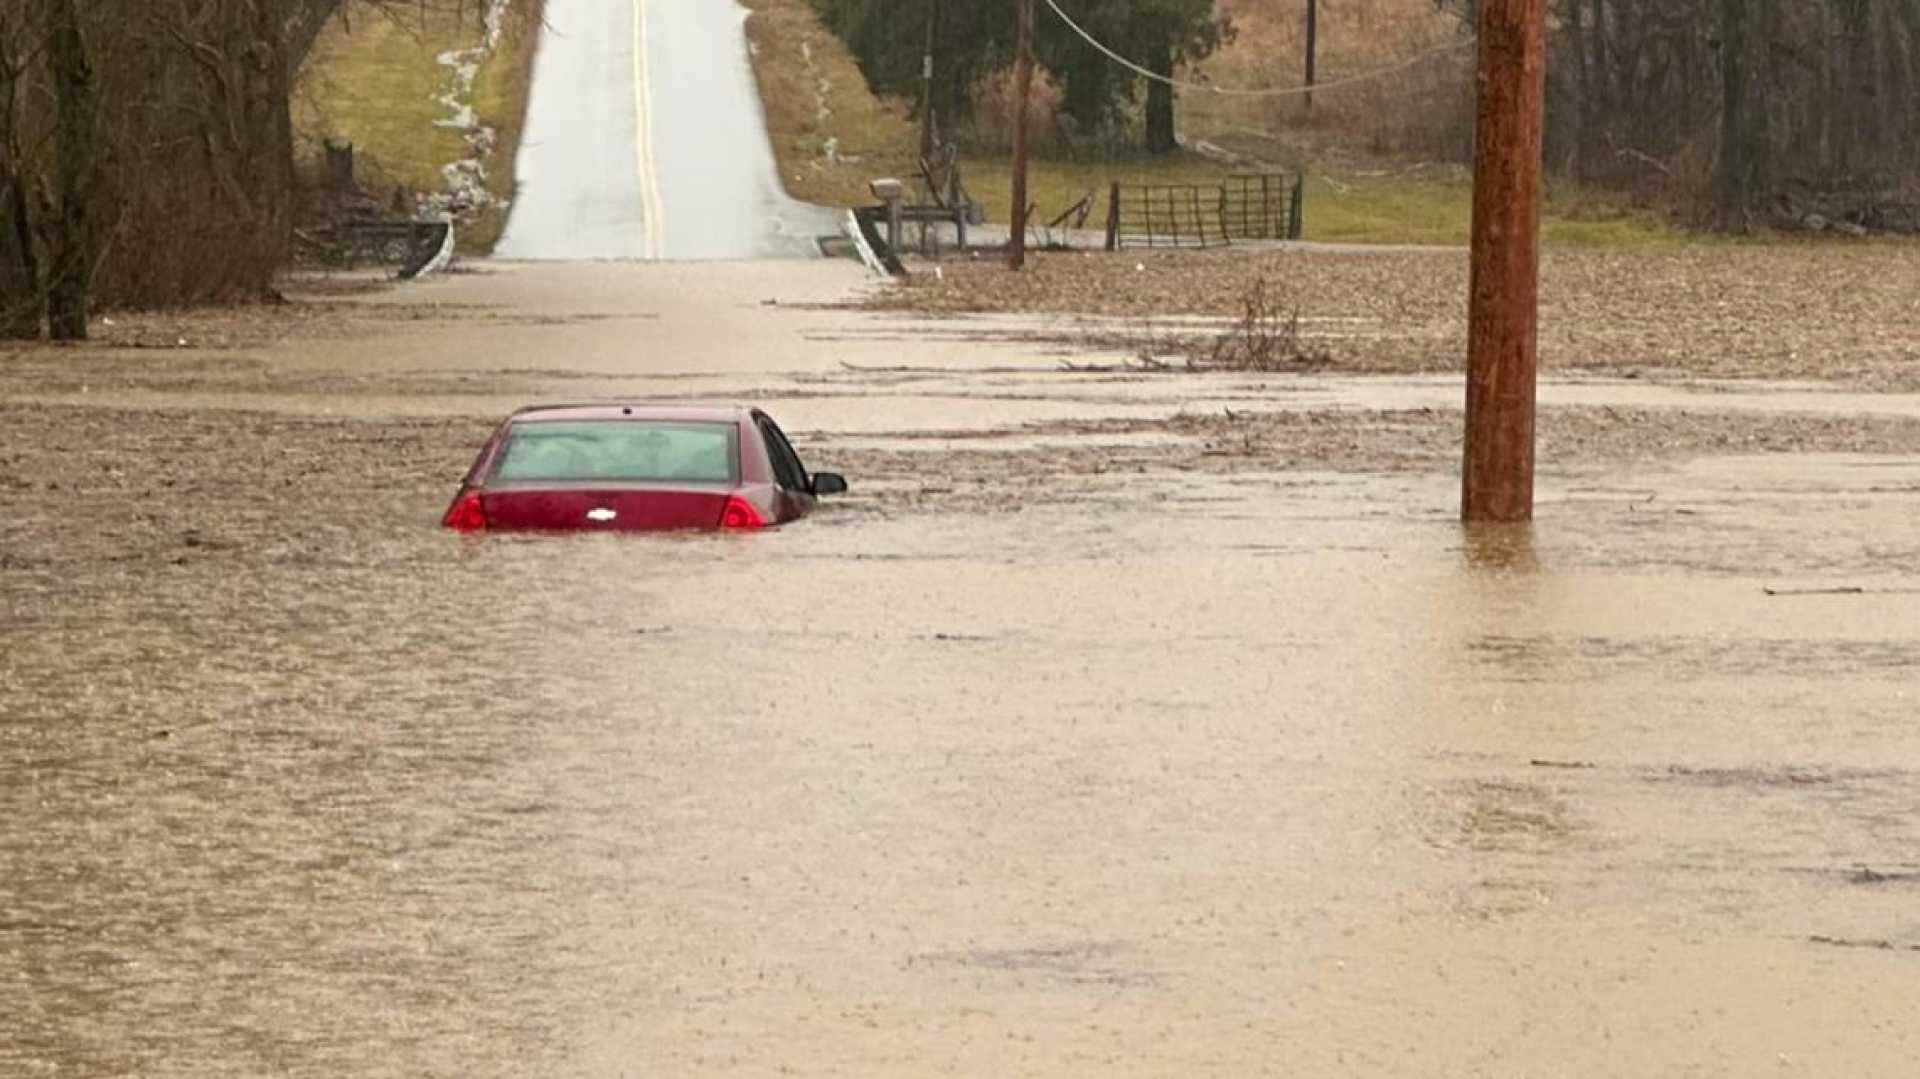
x=635, y=467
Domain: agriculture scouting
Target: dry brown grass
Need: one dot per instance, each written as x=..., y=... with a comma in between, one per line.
x=1423, y=110
x=830, y=133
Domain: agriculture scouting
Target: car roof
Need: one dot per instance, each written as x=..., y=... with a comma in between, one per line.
x=682, y=412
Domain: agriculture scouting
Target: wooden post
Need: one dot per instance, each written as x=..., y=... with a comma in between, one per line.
x=926, y=85
x=339, y=159
x=1313, y=45
x=1023, y=90
x=1113, y=217
x=1503, y=303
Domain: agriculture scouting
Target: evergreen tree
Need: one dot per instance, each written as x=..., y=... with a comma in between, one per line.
x=888, y=38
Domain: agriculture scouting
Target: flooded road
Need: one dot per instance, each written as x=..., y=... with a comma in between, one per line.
x=1214, y=765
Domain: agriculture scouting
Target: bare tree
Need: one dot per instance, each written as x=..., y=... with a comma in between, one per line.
x=1749, y=101
x=146, y=149
x=76, y=97
x=22, y=302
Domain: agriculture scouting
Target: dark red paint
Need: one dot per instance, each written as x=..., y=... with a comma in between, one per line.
x=773, y=486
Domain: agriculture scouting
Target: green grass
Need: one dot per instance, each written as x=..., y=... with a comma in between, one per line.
x=1424, y=206
x=1053, y=185
x=1387, y=209
x=375, y=85
x=813, y=95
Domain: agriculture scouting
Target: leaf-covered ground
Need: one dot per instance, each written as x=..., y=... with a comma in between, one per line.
x=1839, y=313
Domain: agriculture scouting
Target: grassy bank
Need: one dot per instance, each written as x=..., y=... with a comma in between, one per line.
x=375, y=81
x=830, y=133
x=1408, y=205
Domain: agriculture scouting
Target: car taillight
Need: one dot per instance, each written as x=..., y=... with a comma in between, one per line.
x=740, y=514
x=466, y=514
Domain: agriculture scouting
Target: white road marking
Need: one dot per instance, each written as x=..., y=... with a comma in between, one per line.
x=652, y=206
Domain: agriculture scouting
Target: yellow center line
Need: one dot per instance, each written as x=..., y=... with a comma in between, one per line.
x=651, y=205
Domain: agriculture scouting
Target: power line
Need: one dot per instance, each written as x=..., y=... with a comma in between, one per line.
x=1227, y=91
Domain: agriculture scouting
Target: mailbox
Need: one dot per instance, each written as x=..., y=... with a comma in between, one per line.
x=890, y=191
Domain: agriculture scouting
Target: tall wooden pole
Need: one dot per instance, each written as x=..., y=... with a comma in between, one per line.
x=1504, y=300
x=926, y=84
x=1023, y=89
x=1313, y=45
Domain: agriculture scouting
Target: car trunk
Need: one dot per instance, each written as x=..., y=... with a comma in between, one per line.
x=611, y=509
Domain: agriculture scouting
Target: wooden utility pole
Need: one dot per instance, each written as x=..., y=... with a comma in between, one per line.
x=926, y=84
x=1022, y=90
x=1313, y=45
x=1504, y=294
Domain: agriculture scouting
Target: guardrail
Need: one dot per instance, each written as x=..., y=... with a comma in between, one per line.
x=412, y=247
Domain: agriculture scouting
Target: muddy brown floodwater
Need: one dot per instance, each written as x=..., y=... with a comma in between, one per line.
x=1099, y=733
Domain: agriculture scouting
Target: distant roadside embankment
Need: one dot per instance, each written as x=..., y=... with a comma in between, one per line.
x=432, y=99
x=830, y=133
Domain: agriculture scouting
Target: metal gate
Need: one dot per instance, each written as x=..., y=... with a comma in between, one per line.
x=1244, y=206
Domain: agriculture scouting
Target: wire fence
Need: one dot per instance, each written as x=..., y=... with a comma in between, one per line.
x=1248, y=206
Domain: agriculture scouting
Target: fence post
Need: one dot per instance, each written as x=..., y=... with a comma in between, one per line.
x=1297, y=208
x=339, y=165
x=1113, y=217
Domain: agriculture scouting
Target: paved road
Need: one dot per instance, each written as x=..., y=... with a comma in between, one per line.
x=644, y=140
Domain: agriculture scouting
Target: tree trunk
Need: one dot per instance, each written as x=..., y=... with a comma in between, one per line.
x=1160, y=136
x=1762, y=102
x=1825, y=109
x=1909, y=76
x=1602, y=69
x=271, y=107
x=76, y=119
x=1583, y=87
x=1862, y=88
x=22, y=305
x=303, y=26
x=1088, y=93
x=1732, y=185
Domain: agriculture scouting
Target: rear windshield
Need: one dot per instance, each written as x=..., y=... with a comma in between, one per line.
x=627, y=451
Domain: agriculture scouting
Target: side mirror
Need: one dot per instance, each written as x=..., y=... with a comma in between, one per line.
x=829, y=483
